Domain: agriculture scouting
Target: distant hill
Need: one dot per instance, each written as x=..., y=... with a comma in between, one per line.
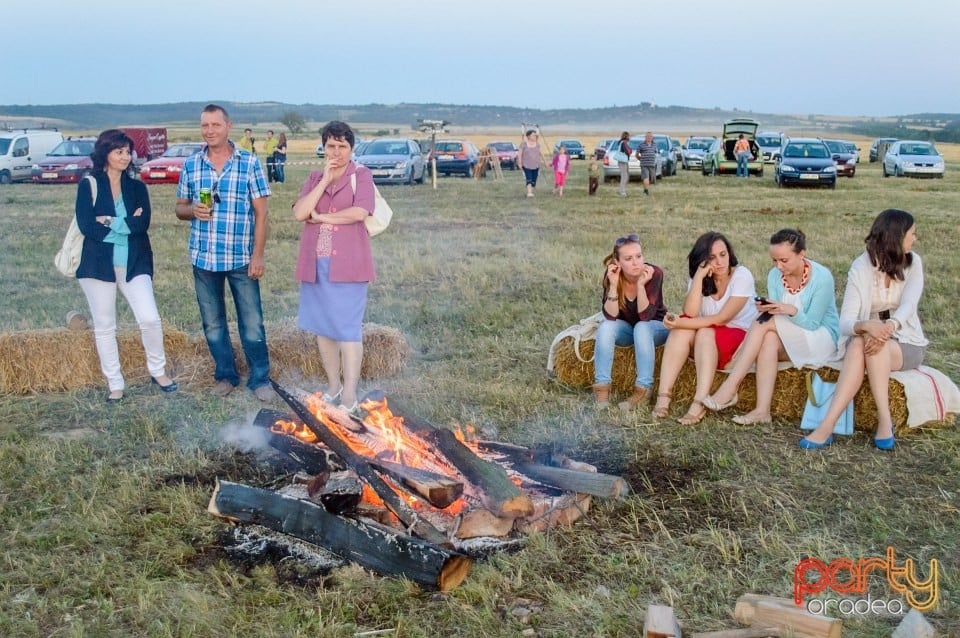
x=92, y=116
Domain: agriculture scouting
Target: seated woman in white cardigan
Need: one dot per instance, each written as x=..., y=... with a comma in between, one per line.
x=879, y=324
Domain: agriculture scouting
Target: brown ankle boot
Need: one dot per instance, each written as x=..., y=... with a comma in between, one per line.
x=602, y=395
x=640, y=395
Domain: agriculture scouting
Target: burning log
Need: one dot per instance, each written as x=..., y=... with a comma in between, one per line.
x=499, y=494
x=338, y=492
x=439, y=490
x=311, y=458
x=375, y=547
x=358, y=464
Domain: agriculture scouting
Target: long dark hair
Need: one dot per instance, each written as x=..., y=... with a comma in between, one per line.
x=885, y=242
x=107, y=142
x=700, y=253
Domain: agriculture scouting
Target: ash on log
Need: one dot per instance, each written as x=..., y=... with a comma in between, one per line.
x=378, y=548
x=499, y=494
x=415, y=524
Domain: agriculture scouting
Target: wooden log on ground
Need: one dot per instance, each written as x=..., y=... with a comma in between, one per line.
x=751, y=632
x=415, y=524
x=480, y=522
x=661, y=623
x=595, y=483
x=439, y=490
x=770, y=611
x=499, y=494
x=312, y=458
x=378, y=548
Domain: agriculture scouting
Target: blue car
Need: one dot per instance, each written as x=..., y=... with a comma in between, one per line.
x=394, y=161
x=805, y=161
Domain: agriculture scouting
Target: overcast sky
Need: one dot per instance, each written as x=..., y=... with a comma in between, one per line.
x=853, y=57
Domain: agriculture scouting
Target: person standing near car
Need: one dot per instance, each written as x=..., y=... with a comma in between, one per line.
x=647, y=154
x=623, y=147
x=530, y=160
x=223, y=194
x=741, y=150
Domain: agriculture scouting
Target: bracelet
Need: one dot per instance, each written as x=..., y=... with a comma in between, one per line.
x=613, y=298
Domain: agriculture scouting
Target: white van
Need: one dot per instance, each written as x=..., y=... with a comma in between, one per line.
x=21, y=149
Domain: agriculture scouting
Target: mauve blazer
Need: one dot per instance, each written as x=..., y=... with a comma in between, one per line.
x=350, y=256
x=96, y=259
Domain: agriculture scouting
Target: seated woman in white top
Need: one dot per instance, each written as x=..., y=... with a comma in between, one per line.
x=716, y=317
x=879, y=325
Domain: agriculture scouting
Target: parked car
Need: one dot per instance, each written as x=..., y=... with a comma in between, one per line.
x=805, y=160
x=574, y=148
x=68, y=163
x=691, y=153
x=720, y=159
x=455, y=156
x=612, y=172
x=20, y=149
x=913, y=158
x=665, y=149
x=166, y=168
x=506, y=152
x=846, y=161
x=853, y=149
x=393, y=161
x=875, y=145
x=769, y=143
x=601, y=148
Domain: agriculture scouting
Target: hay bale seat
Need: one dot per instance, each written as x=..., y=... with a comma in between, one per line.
x=60, y=359
x=788, y=399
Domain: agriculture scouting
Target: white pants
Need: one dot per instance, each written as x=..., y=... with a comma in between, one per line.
x=102, y=298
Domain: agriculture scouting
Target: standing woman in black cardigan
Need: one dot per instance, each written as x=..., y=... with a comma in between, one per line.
x=117, y=256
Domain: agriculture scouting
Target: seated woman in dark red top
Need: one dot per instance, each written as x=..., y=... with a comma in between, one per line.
x=634, y=310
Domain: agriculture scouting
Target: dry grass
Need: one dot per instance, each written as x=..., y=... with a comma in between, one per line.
x=106, y=533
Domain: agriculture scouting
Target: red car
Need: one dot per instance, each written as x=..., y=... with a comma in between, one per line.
x=506, y=153
x=166, y=168
x=65, y=164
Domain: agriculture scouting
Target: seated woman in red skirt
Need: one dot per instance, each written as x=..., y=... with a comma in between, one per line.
x=715, y=319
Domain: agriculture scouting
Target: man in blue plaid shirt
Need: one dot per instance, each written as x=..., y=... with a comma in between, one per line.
x=227, y=241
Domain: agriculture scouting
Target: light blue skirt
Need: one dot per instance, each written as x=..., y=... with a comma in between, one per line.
x=332, y=310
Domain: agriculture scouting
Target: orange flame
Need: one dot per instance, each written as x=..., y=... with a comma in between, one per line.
x=293, y=429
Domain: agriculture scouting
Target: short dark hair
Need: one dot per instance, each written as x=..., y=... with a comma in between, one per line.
x=530, y=132
x=885, y=242
x=625, y=135
x=248, y=130
x=270, y=132
x=214, y=108
x=701, y=253
x=339, y=131
x=107, y=142
x=792, y=236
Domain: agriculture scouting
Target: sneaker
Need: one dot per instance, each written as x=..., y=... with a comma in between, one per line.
x=222, y=388
x=529, y=194
x=646, y=192
x=265, y=393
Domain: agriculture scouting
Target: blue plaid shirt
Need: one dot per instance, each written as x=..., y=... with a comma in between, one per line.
x=225, y=242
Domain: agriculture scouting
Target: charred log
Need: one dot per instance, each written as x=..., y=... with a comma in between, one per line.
x=439, y=490
x=368, y=544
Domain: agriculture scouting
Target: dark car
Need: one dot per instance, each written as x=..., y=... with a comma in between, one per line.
x=68, y=163
x=670, y=157
x=876, y=144
x=574, y=148
x=506, y=152
x=845, y=160
x=166, y=168
x=805, y=160
x=455, y=156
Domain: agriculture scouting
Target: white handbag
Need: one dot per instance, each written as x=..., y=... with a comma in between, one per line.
x=67, y=259
x=382, y=213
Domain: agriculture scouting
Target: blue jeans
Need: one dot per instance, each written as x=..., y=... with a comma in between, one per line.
x=530, y=176
x=644, y=337
x=743, y=160
x=213, y=312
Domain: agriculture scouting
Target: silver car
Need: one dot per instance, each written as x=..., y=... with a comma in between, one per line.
x=612, y=171
x=769, y=143
x=691, y=153
x=914, y=158
x=393, y=161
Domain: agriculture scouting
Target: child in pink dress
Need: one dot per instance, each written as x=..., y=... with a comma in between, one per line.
x=561, y=166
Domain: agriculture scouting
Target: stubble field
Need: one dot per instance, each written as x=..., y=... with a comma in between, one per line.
x=103, y=510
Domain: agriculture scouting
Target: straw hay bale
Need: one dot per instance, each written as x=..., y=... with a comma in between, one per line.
x=789, y=397
x=56, y=360
x=62, y=359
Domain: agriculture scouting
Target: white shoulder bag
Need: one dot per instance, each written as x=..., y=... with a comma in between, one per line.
x=67, y=259
x=382, y=213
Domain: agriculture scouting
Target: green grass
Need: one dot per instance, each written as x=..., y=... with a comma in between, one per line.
x=103, y=511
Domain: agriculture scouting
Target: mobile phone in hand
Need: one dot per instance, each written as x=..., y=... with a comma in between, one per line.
x=761, y=300
x=764, y=317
